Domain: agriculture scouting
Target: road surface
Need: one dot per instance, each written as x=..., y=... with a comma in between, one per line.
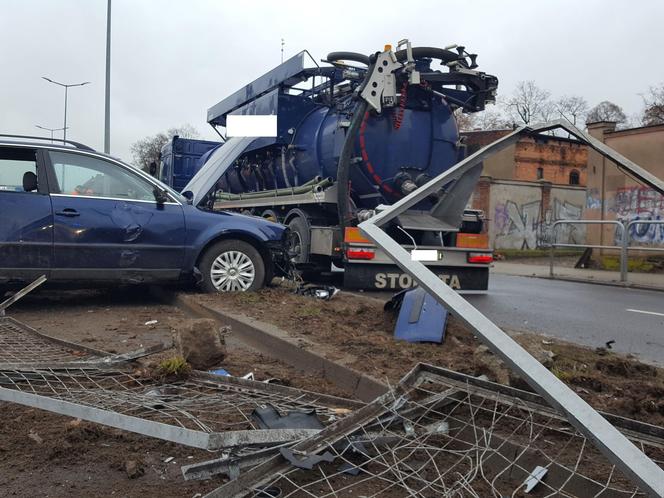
x=587, y=314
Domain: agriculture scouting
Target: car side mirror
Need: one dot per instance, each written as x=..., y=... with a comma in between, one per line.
x=160, y=195
x=189, y=195
x=29, y=181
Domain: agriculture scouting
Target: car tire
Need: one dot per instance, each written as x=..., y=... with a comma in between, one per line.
x=232, y=266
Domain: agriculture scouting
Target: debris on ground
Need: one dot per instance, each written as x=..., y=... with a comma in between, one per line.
x=355, y=326
x=134, y=469
x=324, y=292
x=439, y=432
x=359, y=456
x=201, y=343
x=420, y=318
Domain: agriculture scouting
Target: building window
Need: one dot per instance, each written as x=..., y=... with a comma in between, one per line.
x=540, y=173
x=574, y=177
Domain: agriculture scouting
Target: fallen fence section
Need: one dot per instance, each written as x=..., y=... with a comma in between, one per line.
x=201, y=410
x=436, y=433
x=610, y=442
x=196, y=411
x=442, y=433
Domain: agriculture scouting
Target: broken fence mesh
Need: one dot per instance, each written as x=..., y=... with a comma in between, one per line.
x=443, y=438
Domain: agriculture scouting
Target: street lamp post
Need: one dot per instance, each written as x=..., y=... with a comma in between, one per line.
x=107, y=98
x=64, y=129
x=50, y=129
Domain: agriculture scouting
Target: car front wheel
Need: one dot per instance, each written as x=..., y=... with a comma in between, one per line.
x=232, y=266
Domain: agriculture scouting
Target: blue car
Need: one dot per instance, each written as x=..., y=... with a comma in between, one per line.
x=76, y=215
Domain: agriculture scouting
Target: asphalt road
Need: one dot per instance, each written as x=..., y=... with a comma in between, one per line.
x=588, y=314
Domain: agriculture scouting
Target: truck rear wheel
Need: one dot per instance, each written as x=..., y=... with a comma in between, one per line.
x=232, y=266
x=300, y=239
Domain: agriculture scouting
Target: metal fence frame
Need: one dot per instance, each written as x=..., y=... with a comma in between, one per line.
x=614, y=445
x=624, y=246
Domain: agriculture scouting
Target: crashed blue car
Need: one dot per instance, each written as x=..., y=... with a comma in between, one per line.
x=82, y=217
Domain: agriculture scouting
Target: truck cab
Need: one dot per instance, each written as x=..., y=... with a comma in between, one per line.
x=179, y=160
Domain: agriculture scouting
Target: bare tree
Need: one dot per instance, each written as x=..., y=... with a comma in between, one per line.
x=148, y=149
x=529, y=103
x=464, y=120
x=653, y=112
x=573, y=108
x=489, y=119
x=606, y=111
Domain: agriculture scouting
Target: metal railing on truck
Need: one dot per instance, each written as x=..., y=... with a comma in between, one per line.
x=624, y=246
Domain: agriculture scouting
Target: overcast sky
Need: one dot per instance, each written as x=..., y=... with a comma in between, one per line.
x=171, y=60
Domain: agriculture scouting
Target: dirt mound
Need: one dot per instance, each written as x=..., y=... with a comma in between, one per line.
x=352, y=324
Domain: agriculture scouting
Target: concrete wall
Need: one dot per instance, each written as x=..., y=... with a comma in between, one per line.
x=521, y=214
x=612, y=195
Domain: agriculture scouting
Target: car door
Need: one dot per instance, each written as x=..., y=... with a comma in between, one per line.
x=107, y=224
x=26, y=218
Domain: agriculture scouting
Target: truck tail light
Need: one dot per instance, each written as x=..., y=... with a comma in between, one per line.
x=360, y=253
x=480, y=257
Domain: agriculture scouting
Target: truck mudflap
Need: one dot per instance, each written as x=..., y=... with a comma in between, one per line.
x=390, y=277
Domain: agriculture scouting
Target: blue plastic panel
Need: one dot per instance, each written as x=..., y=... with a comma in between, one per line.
x=421, y=318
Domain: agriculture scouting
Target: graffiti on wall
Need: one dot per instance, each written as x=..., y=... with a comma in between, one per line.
x=526, y=227
x=640, y=203
x=593, y=199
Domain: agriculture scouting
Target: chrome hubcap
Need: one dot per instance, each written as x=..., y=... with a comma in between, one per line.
x=232, y=271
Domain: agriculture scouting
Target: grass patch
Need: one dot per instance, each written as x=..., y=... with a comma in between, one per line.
x=612, y=263
x=308, y=310
x=174, y=367
x=536, y=253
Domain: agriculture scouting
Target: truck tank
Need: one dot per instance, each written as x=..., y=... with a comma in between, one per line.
x=416, y=142
x=394, y=151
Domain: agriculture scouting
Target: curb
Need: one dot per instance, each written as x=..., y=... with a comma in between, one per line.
x=277, y=343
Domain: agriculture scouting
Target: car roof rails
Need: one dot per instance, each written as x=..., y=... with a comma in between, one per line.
x=77, y=145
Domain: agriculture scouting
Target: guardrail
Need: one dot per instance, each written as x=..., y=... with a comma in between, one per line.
x=624, y=247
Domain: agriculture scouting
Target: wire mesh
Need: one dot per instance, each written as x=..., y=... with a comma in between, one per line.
x=197, y=402
x=66, y=378
x=445, y=439
x=21, y=345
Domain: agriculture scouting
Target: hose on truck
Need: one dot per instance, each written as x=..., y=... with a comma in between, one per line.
x=343, y=169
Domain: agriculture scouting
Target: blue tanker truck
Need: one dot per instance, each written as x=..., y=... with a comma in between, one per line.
x=355, y=133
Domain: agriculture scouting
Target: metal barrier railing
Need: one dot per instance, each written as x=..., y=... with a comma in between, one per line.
x=624, y=247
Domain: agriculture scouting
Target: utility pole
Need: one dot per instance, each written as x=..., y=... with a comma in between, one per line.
x=107, y=104
x=66, y=87
x=282, y=49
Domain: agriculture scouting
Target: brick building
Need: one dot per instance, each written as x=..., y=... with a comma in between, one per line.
x=557, y=160
x=526, y=187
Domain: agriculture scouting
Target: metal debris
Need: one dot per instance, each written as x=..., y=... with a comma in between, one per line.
x=25, y=290
x=467, y=437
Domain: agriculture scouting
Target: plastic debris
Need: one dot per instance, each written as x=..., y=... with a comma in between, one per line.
x=535, y=478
